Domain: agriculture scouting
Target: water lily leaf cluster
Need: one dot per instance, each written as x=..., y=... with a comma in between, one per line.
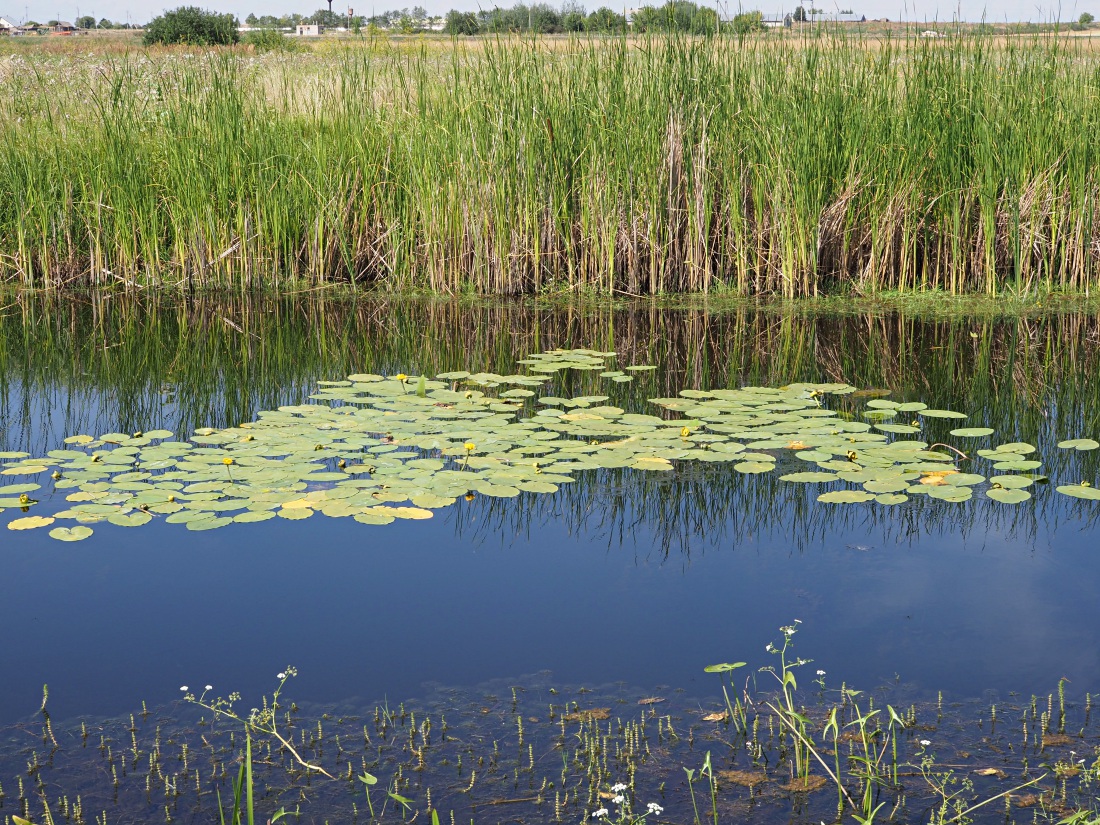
x=377, y=449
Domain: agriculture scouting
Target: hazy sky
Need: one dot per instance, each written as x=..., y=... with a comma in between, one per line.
x=920, y=10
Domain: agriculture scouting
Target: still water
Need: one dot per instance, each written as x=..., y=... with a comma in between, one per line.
x=643, y=583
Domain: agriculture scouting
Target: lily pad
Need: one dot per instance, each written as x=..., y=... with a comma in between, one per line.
x=1007, y=495
x=30, y=523
x=940, y=414
x=1079, y=444
x=1080, y=491
x=77, y=533
x=846, y=497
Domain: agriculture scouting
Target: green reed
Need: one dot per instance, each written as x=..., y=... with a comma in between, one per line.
x=657, y=164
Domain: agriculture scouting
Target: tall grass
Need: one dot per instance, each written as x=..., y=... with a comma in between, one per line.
x=636, y=166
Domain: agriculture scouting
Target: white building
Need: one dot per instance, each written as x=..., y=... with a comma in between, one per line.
x=309, y=31
x=777, y=21
x=7, y=27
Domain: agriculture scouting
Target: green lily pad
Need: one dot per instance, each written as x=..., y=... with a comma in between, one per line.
x=77, y=533
x=940, y=414
x=1011, y=482
x=1079, y=444
x=846, y=497
x=210, y=523
x=950, y=492
x=972, y=432
x=1080, y=491
x=890, y=499
x=1007, y=495
x=136, y=519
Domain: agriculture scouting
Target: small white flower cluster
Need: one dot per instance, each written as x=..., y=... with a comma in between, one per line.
x=619, y=798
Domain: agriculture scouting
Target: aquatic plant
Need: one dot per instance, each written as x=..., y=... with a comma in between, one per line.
x=753, y=166
x=375, y=452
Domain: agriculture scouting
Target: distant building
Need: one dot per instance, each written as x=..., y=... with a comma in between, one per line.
x=63, y=27
x=777, y=21
x=7, y=27
x=309, y=31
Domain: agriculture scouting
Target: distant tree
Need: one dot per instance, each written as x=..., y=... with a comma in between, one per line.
x=192, y=26
x=460, y=22
x=572, y=16
x=52, y=23
x=1086, y=19
x=270, y=40
x=605, y=20
x=252, y=20
x=85, y=22
x=106, y=24
x=676, y=15
x=752, y=21
x=323, y=17
x=800, y=14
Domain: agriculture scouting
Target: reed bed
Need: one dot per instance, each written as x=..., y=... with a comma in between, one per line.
x=633, y=165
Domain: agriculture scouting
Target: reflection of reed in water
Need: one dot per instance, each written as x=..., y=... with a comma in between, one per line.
x=102, y=365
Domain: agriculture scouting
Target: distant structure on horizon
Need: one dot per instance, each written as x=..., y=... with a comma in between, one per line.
x=7, y=27
x=305, y=30
x=786, y=20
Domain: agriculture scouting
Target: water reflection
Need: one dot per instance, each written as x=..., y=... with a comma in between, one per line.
x=644, y=578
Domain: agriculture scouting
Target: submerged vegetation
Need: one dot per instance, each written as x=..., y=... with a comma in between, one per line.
x=653, y=164
x=539, y=751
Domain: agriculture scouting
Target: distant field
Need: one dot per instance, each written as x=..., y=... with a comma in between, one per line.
x=778, y=164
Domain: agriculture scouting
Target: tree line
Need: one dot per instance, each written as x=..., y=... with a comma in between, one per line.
x=195, y=26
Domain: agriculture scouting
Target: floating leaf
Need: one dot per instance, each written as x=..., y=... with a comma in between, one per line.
x=891, y=498
x=130, y=520
x=950, y=492
x=210, y=523
x=972, y=432
x=1006, y=495
x=78, y=533
x=1080, y=491
x=846, y=497
x=1079, y=444
x=24, y=470
x=940, y=414
x=30, y=523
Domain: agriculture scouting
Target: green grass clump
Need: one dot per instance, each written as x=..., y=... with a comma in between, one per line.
x=658, y=164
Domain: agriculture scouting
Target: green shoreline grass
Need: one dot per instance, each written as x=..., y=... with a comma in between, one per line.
x=628, y=167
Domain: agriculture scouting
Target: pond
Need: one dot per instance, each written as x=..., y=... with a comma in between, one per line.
x=626, y=582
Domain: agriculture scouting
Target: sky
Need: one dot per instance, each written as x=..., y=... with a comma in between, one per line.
x=138, y=11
